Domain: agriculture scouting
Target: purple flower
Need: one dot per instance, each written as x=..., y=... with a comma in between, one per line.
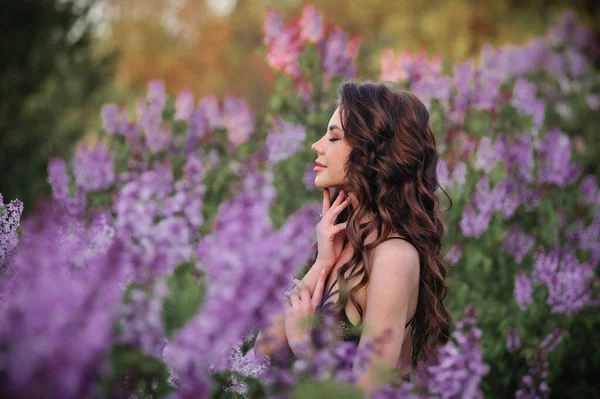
x=284, y=140
x=517, y=243
x=554, y=162
x=58, y=309
x=568, y=281
x=523, y=293
x=283, y=50
x=184, y=105
x=473, y=223
x=59, y=180
x=552, y=340
x=525, y=101
x=456, y=369
x=454, y=254
x=534, y=385
x=311, y=24
x=238, y=119
x=10, y=220
x=513, y=343
x=338, y=54
x=94, y=167
x=488, y=154
x=309, y=176
x=434, y=86
x=273, y=25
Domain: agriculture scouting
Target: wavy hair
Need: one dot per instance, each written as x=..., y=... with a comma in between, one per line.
x=392, y=170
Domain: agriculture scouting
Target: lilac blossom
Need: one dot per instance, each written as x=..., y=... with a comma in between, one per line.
x=114, y=119
x=488, y=154
x=10, y=220
x=311, y=24
x=568, y=281
x=338, y=53
x=517, y=243
x=552, y=340
x=232, y=306
x=534, y=385
x=309, y=176
x=525, y=101
x=283, y=48
x=474, y=223
x=158, y=136
x=273, y=25
x=284, y=140
x=238, y=120
x=59, y=353
x=554, y=164
x=184, y=105
x=454, y=254
x=434, y=86
x=248, y=365
x=523, y=291
x=513, y=343
x=94, y=167
x=455, y=368
x=588, y=237
x=58, y=178
x=408, y=67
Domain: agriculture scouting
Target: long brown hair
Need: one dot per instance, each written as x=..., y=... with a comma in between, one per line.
x=392, y=171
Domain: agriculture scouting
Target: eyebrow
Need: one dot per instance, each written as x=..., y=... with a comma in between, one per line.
x=333, y=127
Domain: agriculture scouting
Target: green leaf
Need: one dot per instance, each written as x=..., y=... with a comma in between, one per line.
x=186, y=294
x=325, y=389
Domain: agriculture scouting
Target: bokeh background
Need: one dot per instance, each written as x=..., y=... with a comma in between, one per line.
x=63, y=59
x=523, y=255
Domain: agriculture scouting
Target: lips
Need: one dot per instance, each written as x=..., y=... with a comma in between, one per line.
x=320, y=164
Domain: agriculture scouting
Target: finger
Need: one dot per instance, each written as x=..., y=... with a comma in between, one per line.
x=298, y=284
x=305, y=297
x=338, y=200
x=295, y=300
x=326, y=200
x=337, y=209
x=338, y=228
x=318, y=293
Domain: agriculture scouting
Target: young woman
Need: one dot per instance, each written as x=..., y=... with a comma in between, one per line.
x=377, y=262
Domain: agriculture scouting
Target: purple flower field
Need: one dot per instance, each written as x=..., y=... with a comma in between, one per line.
x=170, y=239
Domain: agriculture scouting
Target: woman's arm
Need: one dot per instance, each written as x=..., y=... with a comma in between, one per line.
x=273, y=338
x=394, y=279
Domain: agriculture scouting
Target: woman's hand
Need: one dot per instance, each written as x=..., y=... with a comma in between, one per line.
x=330, y=237
x=299, y=313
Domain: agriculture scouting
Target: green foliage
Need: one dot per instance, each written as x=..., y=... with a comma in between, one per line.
x=186, y=294
x=325, y=389
x=52, y=87
x=132, y=371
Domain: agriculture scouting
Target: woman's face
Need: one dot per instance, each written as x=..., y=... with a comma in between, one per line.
x=332, y=151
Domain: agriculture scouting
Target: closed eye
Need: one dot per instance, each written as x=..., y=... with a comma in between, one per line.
x=332, y=140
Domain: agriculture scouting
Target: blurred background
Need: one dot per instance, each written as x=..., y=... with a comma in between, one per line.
x=63, y=59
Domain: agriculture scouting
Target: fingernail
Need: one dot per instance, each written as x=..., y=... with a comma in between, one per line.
x=322, y=272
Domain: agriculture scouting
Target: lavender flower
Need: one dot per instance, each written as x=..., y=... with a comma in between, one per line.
x=513, y=343
x=238, y=119
x=517, y=243
x=552, y=340
x=94, y=167
x=309, y=176
x=58, y=309
x=524, y=100
x=454, y=254
x=10, y=219
x=534, y=385
x=284, y=140
x=523, y=292
x=555, y=165
x=311, y=24
x=568, y=282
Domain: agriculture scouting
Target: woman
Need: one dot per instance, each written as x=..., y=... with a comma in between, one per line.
x=379, y=241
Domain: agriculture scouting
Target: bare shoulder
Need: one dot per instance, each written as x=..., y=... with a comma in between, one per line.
x=399, y=255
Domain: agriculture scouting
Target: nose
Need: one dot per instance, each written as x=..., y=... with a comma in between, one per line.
x=316, y=147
